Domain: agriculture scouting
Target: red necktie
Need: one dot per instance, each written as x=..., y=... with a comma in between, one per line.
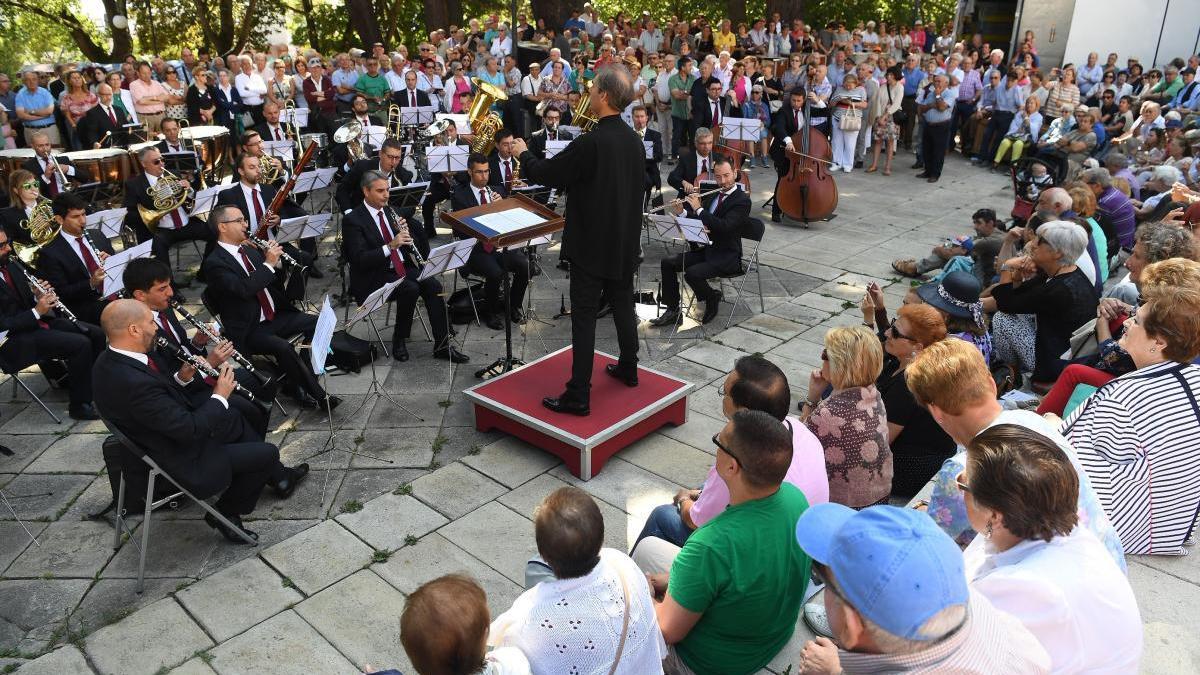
x=483, y=197
x=278, y=136
x=386, y=233
x=53, y=180
x=264, y=300
x=716, y=113
x=162, y=321
x=412, y=98
x=258, y=208
x=487, y=248
x=720, y=198
x=88, y=260
x=8, y=278
x=704, y=166
x=112, y=116
x=152, y=365
x=507, y=173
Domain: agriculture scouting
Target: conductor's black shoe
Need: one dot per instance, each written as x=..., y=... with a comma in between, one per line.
x=564, y=265
x=332, y=402
x=399, y=351
x=517, y=316
x=315, y=272
x=306, y=401
x=567, y=406
x=451, y=354
x=285, y=486
x=493, y=321
x=83, y=411
x=669, y=318
x=229, y=534
x=624, y=375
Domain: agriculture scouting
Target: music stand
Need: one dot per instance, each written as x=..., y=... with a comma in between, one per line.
x=503, y=223
x=282, y=150
x=181, y=162
x=741, y=129
x=443, y=259
x=205, y=201
x=691, y=232
x=555, y=147
x=407, y=196
x=303, y=227
x=448, y=158
x=297, y=117
x=370, y=305
x=418, y=116
x=90, y=192
x=109, y=222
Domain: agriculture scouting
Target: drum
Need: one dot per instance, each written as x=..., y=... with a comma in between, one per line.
x=135, y=164
x=321, y=140
x=214, y=145
x=106, y=165
x=10, y=161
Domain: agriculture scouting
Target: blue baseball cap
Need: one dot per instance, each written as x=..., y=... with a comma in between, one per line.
x=895, y=566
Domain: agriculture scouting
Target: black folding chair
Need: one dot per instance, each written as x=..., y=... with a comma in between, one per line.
x=753, y=230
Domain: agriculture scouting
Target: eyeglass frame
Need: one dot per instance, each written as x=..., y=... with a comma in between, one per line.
x=717, y=442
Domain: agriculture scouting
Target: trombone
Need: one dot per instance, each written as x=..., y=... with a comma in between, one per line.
x=673, y=202
x=394, y=127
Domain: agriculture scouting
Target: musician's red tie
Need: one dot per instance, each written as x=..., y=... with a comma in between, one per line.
x=89, y=261
x=386, y=233
x=264, y=300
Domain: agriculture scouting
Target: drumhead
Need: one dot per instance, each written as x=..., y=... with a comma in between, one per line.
x=199, y=131
x=101, y=153
x=19, y=153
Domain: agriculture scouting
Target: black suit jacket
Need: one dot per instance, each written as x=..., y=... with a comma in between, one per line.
x=653, y=177
x=33, y=166
x=95, y=124
x=725, y=225
x=537, y=141
x=267, y=135
x=137, y=192
x=233, y=196
x=362, y=246
x=16, y=303
x=234, y=294
x=61, y=267
x=349, y=190
x=783, y=125
x=467, y=196
x=496, y=174
x=400, y=98
x=687, y=168
x=154, y=412
x=10, y=220
x=702, y=116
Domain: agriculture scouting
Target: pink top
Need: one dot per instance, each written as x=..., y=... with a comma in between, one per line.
x=807, y=472
x=140, y=90
x=78, y=108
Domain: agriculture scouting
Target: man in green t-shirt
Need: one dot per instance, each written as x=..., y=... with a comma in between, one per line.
x=374, y=86
x=729, y=599
x=680, y=85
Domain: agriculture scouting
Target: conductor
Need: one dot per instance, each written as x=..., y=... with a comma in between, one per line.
x=604, y=170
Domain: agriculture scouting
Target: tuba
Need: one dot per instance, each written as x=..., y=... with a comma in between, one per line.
x=41, y=228
x=168, y=194
x=484, y=123
x=581, y=116
x=351, y=134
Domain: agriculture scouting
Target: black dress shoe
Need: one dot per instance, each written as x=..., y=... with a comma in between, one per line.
x=922, y=175
x=629, y=378
x=315, y=272
x=712, y=307
x=493, y=321
x=399, y=351
x=669, y=318
x=919, y=165
x=5, y=451
x=517, y=316
x=451, y=354
x=566, y=406
x=292, y=477
x=932, y=179
x=332, y=402
x=225, y=531
x=564, y=265
x=83, y=411
x=306, y=401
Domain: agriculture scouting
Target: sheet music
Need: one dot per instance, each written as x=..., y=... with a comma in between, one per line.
x=649, y=149
x=571, y=129
x=114, y=266
x=555, y=147
x=373, y=302
x=411, y=116
x=375, y=135
x=300, y=115
x=280, y=149
x=741, y=129
x=322, y=336
x=108, y=222
x=509, y=220
x=448, y=158
x=205, y=200
x=290, y=229
x=692, y=230
x=446, y=258
x=664, y=225
x=314, y=180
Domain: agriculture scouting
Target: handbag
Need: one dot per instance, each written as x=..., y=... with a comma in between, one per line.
x=851, y=120
x=899, y=116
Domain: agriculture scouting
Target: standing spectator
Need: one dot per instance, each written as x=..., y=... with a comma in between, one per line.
x=851, y=422
x=74, y=102
x=344, y=79
x=1061, y=98
x=149, y=98
x=201, y=105
x=374, y=87
x=502, y=44
x=936, y=107
x=321, y=96
x=756, y=108
x=866, y=77
x=849, y=102
x=1009, y=99
x=35, y=109
x=554, y=91
x=176, y=93
x=680, y=85
x=252, y=88
x=912, y=75
x=885, y=131
x=281, y=88
x=229, y=104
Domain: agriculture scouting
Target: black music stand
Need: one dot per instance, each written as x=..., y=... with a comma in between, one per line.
x=406, y=196
x=179, y=163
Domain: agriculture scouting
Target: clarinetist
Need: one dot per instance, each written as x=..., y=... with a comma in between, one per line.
x=36, y=334
x=72, y=263
x=379, y=248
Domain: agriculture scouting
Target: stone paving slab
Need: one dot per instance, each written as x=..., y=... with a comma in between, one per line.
x=360, y=617
x=434, y=556
x=66, y=660
x=409, y=449
x=282, y=645
x=31, y=610
x=387, y=522
x=318, y=557
x=74, y=453
x=259, y=594
x=26, y=449
x=42, y=497
x=625, y=486
x=674, y=460
x=161, y=635
x=69, y=549
x=620, y=530
x=1167, y=604
x=456, y=490
x=511, y=461
x=14, y=539
x=497, y=536
x=110, y=600
x=196, y=666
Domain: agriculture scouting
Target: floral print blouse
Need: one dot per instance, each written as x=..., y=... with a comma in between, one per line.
x=852, y=427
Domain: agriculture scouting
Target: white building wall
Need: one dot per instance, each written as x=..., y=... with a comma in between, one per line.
x=1133, y=29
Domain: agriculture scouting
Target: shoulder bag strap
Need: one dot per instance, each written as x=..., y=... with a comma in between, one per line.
x=624, y=622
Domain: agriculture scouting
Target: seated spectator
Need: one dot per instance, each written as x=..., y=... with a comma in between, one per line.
x=1037, y=563
x=918, y=444
x=975, y=254
x=1114, y=212
x=731, y=595
x=1100, y=250
x=1159, y=184
x=444, y=630
x=1136, y=436
x=898, y=601
x=1024, y=128
x=1041, y=299
x=956, y=297
x=754, y=384
x=952, y=381
x=1075, y=145
x=851, y=422
x=598, y=588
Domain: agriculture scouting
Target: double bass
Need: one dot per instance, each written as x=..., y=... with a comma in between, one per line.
x=807, y=192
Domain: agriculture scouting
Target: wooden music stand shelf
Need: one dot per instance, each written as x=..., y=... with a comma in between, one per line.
x=463, y=222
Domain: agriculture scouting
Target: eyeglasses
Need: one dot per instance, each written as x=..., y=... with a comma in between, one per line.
x=717, y=442
x=239, y=219
x=156, y=161
x=958, y=481
x=29, y=185
x=895, y=332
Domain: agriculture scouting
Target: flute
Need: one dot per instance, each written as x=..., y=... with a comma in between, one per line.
x=198, y=363
x=41, y=288
x=700, y=195
x=208, y=332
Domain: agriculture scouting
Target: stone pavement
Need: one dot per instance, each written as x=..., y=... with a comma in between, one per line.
x=323, y=591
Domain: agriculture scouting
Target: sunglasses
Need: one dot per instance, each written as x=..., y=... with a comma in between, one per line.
x=895, y=332
x=29, y=185
x=717, y=442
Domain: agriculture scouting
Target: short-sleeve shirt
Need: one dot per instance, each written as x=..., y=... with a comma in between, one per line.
x=680, y=108
x=35, y=100
x=376, y=86
x=744, y=572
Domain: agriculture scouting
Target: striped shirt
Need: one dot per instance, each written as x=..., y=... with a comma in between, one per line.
x=1137, y=439
x=1117, y=208
x=989, y=643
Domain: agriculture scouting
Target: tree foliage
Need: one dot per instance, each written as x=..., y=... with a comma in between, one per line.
x=165, y=26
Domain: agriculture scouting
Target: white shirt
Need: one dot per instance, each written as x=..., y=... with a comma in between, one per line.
x=167, y=222
x=237, y=255
x=476, y=190
x=1070, y=595
x=248, y=193
x=704, y=165
x=252, y=88
x=530, y=85
x=74, y=242
x=67, y=169
x=395, y=80
x=127, y=101
x=145, y=361
x=501, y=48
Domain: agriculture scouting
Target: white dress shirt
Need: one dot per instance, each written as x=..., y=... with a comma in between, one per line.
x=67, y=169
x=237, y=255
x=167, y=222
x=248, y=193
x=74, y=242
x=375, y=213
x=252, y=88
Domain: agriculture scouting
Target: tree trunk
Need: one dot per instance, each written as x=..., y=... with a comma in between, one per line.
x=248, y=19
x=735, y=11
x=362, y=18
x=122, y=41
x=454, y=13
x=91, y=50
x=556, y=12
x=310, y=20
x=788, y=9
x=437, y=15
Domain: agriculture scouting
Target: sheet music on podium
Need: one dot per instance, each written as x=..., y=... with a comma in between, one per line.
x=509, y=220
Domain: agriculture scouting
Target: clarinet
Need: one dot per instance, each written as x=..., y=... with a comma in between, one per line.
x=42, y=289
x=415, y=253
x=263, y=245
x=198, y=363
x=212, y=337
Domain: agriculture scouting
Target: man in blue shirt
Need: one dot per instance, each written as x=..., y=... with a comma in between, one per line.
x=574, y=24
x=35, y=109
x=344, y=80
x=912, y=74
x=937, y=107
x=1186, y=98
x=1009, y=98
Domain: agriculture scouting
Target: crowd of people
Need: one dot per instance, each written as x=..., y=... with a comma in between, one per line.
x=1016, y=556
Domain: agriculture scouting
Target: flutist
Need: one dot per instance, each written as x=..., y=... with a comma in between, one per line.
x=37, y=334
x=381, y=247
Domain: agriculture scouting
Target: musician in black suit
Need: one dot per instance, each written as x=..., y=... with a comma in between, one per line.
x=72, y=262
x=723, y=215
x=379, y=251
x=208, y=448
x=603, y=171
x=103, y=125
x=708, y=111
x=174, y=226
x=487, y=262
x=388, y=162
x=786, y=122
x=340, y=152
x=503, y=166
x=548, y=132
x=641, y=122
x=173, y=144
x=37, y=333
x=271, y=129
x=410, y=96
x=252, y=198
x=694, y=166
x=245, y=290
x=50, y=181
